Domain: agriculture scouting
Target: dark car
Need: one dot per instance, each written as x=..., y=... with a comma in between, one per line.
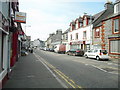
x=76, y=52
x=24, y=53
x=51, y=49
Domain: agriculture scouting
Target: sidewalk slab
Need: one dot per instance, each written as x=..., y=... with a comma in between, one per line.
x=117, y=61
x=31, y=73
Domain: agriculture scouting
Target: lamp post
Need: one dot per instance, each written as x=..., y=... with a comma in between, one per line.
x=27, y=26
x=27, y=45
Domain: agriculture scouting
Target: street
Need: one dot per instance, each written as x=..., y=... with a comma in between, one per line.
x=79, y=72
x=52, y=70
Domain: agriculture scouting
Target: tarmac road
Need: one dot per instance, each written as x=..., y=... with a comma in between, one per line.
x=44, y=69
x=85, y=73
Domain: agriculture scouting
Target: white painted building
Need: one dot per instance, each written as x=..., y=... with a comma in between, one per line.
x=80, y=35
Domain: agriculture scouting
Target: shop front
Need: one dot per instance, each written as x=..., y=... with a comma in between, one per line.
x=4, y=48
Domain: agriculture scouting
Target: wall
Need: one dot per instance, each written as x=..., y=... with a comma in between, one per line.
x=97, y=41
x=108, y=32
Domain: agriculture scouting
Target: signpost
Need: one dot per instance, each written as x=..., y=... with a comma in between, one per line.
x=20, y=17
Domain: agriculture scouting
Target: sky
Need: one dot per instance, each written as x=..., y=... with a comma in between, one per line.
x=46, y=16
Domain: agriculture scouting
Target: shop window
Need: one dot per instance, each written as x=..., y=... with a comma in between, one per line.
x=114, y=46
x=97, y=33
x=116, y=26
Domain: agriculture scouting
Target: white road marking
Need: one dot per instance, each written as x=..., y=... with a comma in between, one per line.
x=99, y=68
x=86, y=64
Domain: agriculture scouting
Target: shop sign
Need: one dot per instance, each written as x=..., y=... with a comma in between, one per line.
x=20, y=17
x=77, y=42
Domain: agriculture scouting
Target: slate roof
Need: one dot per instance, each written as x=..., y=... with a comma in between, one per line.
x=80, y=19
x=102, y=15
x=117, y=1
x=96, y=16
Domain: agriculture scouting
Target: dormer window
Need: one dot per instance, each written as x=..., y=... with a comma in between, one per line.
x=117, y=8
x=77, y=24
x=72, y=26
x=81, y=24
x=85, y=21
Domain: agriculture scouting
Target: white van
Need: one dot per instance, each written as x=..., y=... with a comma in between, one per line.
x=97, y=54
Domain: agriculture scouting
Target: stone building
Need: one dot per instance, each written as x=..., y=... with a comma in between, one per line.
x=54, y=39
x=111, y=32
x=65, y=39
x=97, y=35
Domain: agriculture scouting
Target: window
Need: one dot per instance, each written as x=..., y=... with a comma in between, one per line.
x=95, y=51
x=85, y=21
x=77, y=24
x=66, y=37
x=81, y=24
x=114, y=46
x=84, y=34
x=71, y=36
x=117, y=8
x=76, y=35
x=116, y=26
x=97, y=33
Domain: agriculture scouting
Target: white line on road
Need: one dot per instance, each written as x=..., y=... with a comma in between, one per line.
x=103, y=70
x=99, y=68
x=51, y=71
x=95, y=67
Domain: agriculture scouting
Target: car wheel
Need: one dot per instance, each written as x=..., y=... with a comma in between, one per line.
x=98, y=58
x=74, y=54
x=67, y=53
x=86, y=56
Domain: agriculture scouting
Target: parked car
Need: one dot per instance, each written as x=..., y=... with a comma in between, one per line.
x=47, y=49
x=23, y=53
x=97, y=54
x=76, y=52
x=51, y=49
x=31, y=50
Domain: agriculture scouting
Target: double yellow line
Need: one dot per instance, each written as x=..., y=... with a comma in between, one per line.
x=63, y=76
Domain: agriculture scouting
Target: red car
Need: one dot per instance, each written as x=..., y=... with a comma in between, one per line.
x=76, y=52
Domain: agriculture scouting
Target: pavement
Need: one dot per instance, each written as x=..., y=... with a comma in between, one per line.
x=117, y=61
x=28, y=72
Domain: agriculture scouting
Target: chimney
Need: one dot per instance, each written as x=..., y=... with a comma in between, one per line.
x=50, y=35
x=109, y=5
x=59, y=31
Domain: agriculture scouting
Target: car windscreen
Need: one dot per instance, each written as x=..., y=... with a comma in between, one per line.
x=103, y=51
